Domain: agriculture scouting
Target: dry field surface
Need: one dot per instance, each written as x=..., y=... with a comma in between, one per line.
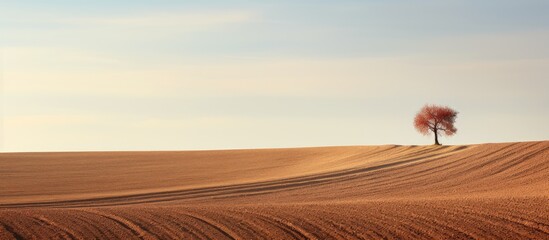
x=485, y=191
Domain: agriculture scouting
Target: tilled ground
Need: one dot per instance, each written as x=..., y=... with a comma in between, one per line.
x=514, y=218
x=488, y=191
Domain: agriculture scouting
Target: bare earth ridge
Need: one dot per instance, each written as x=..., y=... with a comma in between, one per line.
x=486, y=191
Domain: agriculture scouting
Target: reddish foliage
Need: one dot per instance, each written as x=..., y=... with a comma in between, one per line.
x=436, y=119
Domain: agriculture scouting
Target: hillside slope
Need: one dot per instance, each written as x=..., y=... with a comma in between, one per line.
x=473, y=191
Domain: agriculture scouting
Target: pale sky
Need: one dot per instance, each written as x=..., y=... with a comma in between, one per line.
x=180, y=75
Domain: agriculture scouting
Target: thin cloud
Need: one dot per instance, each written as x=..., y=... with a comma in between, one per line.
x=175, y=19
x=167, y=19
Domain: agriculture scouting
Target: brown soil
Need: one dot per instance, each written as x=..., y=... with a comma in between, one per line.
x=476, y=191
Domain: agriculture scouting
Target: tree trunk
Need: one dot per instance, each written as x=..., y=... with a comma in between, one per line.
x=436, y=137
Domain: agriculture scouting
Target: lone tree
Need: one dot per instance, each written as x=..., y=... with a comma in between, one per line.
x=436, y=119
